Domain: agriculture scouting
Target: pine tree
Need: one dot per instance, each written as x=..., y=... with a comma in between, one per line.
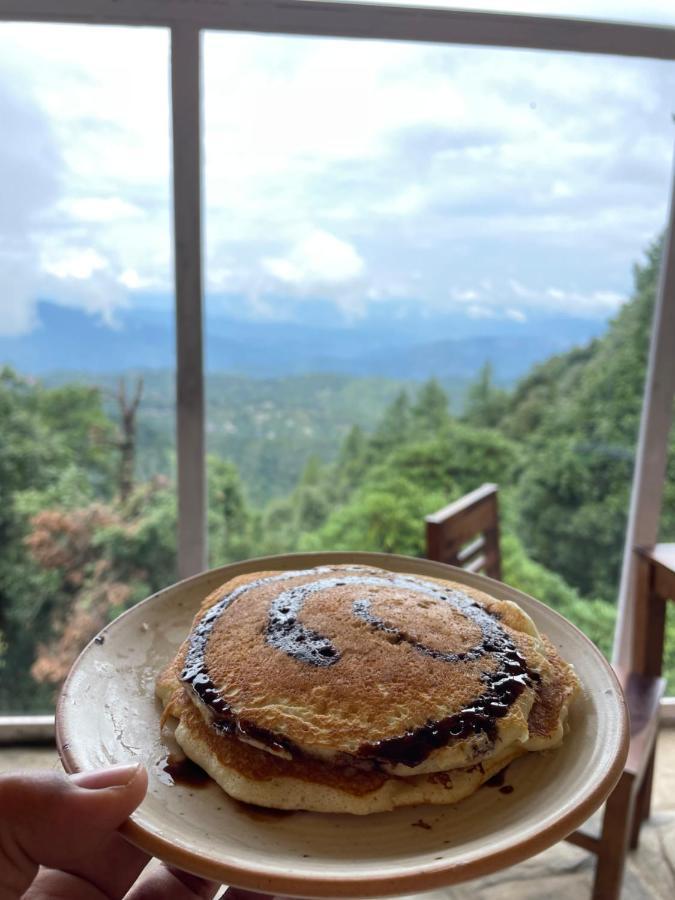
x=394, y=427
x=229, y=515
x=311, y=474
x=352, y=458
x=430, y=411
x=485, y=402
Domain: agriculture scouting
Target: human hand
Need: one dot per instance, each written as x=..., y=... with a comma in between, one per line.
x=59, y=841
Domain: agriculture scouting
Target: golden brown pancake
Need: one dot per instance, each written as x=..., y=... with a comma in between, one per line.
x=548, y=716
x=354, y=689
x=416, y=674
x=254, y=776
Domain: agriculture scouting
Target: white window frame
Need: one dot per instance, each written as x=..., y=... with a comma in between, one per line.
x=186, y=19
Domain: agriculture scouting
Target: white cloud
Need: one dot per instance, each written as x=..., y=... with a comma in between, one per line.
x=585, y=303
x=609, y=300
x=464, y=296
x=17, y=316
x=476, y=311
x=221, y=277
x=410, y=201
x=319, y=258
x=561, y=189
x=494, y=301
x=466, y=166
x=101, y=295
x=30, y=163
x=574, y=302
x=130, y=279
x=520, y=290
x=79, y=264
x=85, y=163
x=101, y=209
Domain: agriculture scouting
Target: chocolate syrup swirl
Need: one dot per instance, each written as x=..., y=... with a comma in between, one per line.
x=286, y=633
x=493, y=635
x=413, y=747
x=195, y=673
x=504, y=685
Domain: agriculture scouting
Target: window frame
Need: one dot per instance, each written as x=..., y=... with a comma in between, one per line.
x=319, y=18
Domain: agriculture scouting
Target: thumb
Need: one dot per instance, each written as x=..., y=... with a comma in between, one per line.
x=51, y=820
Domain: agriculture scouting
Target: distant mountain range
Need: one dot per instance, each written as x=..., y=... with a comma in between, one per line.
x=417, y=348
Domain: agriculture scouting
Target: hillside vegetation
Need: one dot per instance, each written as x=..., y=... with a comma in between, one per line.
x=79, y=541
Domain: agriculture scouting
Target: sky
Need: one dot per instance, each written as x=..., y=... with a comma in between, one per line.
x=359, y=175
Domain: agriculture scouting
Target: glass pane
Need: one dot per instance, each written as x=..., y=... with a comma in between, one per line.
x=87, y=507
x=429, y=268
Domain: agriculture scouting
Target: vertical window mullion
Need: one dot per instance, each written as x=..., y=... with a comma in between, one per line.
x=187, y=195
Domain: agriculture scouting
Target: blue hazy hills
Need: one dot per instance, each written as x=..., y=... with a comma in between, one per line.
x=408, y=347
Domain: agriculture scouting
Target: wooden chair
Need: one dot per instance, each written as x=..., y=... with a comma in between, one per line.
x=466, y=534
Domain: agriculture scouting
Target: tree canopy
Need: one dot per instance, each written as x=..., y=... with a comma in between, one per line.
x=75, y=549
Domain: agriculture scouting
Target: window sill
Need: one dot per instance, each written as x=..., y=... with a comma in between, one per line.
x=26, y=730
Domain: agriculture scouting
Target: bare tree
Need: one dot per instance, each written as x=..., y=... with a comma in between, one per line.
x=126, y=443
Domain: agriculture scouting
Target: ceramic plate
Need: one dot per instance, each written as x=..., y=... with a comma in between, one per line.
x=108, y=714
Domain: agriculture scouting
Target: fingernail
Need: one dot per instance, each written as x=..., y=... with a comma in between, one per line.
x=115, y=776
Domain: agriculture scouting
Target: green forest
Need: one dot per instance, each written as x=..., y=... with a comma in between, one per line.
x=267, y=426
x=87, y=523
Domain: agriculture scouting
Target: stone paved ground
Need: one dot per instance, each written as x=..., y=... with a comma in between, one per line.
x=566, y=873
x=563, y=872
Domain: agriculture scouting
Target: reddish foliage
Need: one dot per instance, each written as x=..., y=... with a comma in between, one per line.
x=63, y=540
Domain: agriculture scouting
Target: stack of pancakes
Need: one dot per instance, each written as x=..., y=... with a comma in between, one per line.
x=354, y=689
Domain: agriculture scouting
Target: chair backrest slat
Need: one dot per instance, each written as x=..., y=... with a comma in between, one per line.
x=466, y=533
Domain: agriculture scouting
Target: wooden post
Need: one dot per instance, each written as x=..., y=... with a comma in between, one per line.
x=649, y=620
x=186, y=118
x=650, y=461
